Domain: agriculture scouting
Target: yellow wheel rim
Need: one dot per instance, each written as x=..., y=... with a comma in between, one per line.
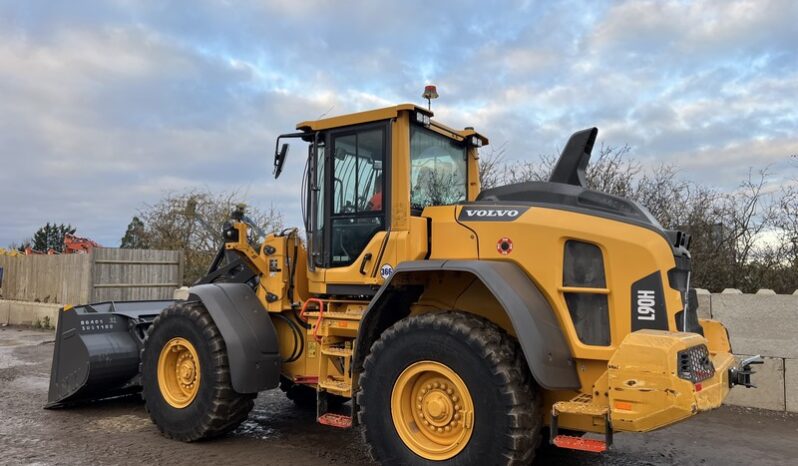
x=432, y=410
x=178, y=372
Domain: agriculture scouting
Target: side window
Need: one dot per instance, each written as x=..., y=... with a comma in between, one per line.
x=583, y=267
x=357, y=194
x=315, y=206
x=438, y=171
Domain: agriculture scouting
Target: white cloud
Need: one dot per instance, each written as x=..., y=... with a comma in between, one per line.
x=103, y=107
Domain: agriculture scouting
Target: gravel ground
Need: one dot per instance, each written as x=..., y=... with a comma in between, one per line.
x=120, y=432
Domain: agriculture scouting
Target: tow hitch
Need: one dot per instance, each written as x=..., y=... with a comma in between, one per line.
x=741, y=375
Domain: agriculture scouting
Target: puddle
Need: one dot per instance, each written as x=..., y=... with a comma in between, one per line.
x=8, y=360
x=32, y=383
x=257, y=427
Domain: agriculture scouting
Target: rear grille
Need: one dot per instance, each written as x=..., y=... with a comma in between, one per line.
x=694, y=364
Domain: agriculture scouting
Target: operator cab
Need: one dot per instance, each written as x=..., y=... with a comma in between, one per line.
x=370, y=175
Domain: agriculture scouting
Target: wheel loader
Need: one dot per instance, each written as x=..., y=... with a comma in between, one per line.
x=452, y=325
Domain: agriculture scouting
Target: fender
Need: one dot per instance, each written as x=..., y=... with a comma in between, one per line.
x=539, y=334
x=248, y=332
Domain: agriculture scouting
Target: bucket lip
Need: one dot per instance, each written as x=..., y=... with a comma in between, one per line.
x=133, y=309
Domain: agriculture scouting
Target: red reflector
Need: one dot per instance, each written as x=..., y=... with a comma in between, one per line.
x=581, y=444
x=698, y=387
x=336, y=420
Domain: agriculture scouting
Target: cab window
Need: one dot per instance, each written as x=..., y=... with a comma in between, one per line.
x=438, y=171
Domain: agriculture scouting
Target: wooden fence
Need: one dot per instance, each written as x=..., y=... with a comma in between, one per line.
x=106, y=274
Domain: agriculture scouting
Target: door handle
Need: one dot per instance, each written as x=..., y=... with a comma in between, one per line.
x=363, y=263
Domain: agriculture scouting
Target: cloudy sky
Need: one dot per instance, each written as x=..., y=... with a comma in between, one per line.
x=104, y=106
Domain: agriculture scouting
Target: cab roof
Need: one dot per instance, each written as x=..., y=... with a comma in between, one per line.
x=378, y=115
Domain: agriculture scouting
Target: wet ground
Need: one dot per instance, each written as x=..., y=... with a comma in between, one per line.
x=119, y=431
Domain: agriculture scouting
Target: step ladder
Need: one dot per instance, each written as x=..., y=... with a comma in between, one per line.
x=336, y=352
x=334, y=331
x=581, y=405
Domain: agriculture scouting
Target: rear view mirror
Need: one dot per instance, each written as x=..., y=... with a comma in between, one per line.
x=279, y=160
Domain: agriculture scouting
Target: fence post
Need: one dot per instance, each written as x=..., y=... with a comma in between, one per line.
x=181, y=261
x=92, y=275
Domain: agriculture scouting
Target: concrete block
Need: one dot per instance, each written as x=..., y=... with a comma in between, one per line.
x=5, y=309
x=36, y=314
x=19, y=314
x=181, y=294
x=791, y=384
x=704, y=303
x=759, y=324
x=46, y=315
x=731, y=291
x=769, y=394
x=765, y=291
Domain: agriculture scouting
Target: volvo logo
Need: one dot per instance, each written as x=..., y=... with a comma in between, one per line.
x=496, y=214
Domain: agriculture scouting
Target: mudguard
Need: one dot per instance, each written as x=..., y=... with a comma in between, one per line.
x=539, y=334
x=248, y=332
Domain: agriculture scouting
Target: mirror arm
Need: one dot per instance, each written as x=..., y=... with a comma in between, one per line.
x=279, y=155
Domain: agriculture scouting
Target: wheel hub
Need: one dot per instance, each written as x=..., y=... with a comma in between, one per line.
x=178, y=372
x=432, y=410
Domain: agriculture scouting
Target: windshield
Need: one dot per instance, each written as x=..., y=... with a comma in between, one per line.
x=438, y=173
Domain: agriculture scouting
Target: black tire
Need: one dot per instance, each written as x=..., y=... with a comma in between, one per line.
x=507, y=405
x=217, y=409
x=304, y=396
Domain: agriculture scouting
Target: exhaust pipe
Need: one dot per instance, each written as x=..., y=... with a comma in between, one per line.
x=97, y=350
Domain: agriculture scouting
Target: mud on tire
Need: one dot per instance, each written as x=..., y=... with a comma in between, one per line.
x=217, y=409
x=507, y=405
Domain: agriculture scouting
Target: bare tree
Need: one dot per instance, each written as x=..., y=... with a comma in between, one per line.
x=192, y=221
x=490, y=164
x=746, y=238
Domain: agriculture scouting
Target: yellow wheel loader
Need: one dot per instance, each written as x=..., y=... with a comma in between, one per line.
x=455, y=325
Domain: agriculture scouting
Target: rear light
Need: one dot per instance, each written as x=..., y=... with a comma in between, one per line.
x=694, y=364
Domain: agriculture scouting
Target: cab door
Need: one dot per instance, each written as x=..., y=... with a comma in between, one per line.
x=349, y=207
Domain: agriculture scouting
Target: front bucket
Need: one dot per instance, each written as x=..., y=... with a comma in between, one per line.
x=97, y=350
